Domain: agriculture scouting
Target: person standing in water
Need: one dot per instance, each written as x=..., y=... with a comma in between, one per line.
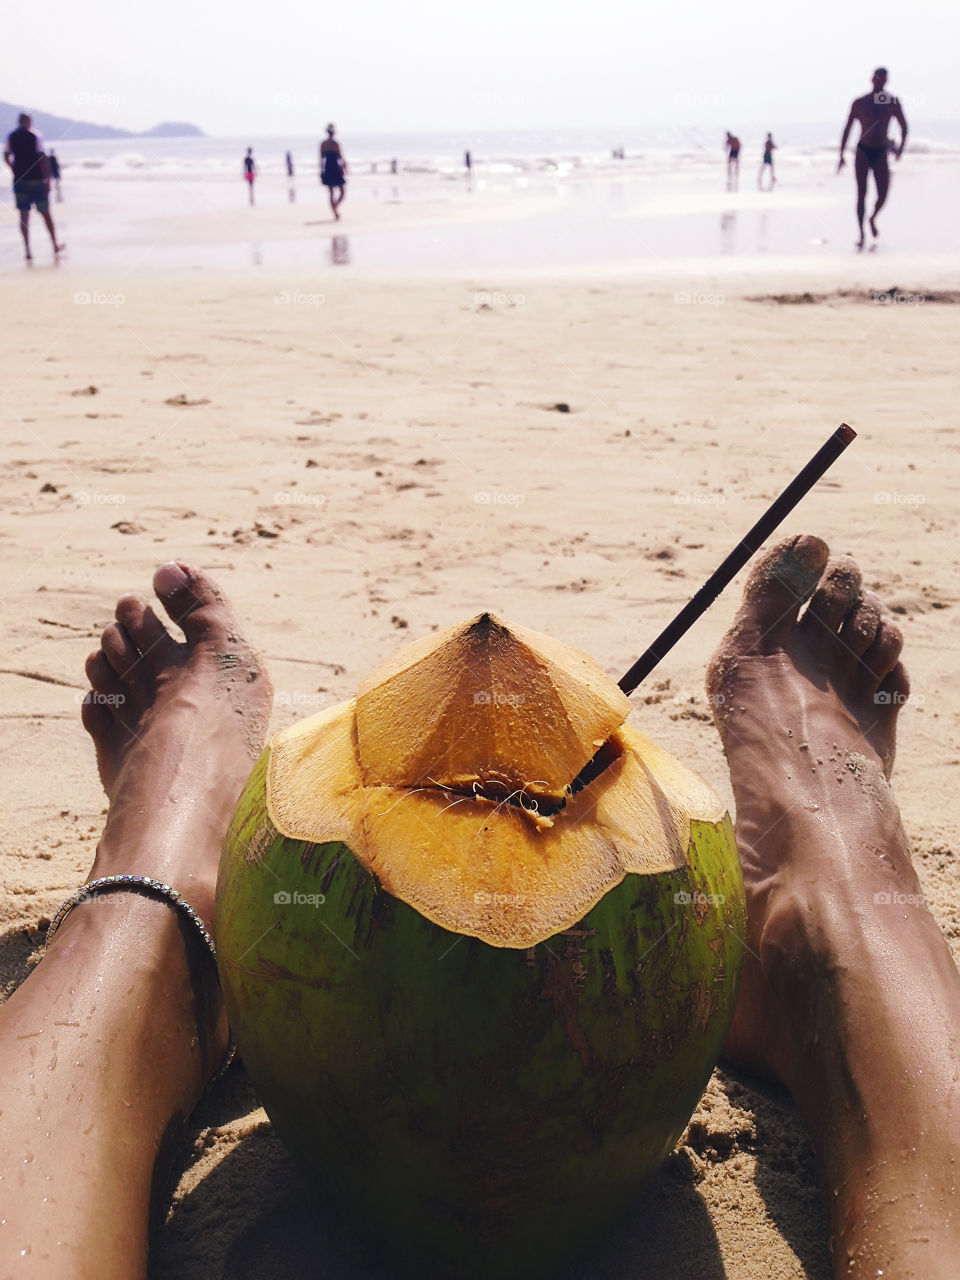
x=31, y=180
x=333, y=170
x=873, y=112
x=769, y=146
x=250, y=170
x=733, y=160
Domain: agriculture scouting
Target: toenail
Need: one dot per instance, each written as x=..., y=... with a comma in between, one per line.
x=172, y=576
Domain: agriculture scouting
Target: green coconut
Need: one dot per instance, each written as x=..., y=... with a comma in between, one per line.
x=480, y=944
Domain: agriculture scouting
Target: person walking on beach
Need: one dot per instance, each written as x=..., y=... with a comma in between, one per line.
x=333, y=170
x=873, y=112
x=31, y=180
x=733, y=160
x=289, y=160
x=54, y=164
x=769, y=146
x=250, y=171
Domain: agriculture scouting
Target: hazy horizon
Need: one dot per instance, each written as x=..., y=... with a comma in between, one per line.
x=438, y=69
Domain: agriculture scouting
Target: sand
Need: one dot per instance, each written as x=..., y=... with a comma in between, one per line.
x=362, y=462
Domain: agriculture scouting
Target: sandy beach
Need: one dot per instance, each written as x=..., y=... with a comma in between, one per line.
x=362, y=463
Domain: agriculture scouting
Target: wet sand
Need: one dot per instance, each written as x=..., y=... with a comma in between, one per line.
x=364, y=461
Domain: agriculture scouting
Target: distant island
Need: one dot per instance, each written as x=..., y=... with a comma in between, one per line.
x=57, y=128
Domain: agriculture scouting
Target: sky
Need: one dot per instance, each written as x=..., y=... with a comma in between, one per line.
x=378, y=66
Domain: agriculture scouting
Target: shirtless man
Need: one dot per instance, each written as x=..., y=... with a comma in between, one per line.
x=733, y=159
x=873, y=112
x=853, y=1003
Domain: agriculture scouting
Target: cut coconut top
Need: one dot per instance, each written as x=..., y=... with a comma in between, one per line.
x=485, y=701
x=387, y=775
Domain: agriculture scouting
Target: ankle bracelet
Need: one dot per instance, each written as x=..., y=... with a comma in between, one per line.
x=142, y=884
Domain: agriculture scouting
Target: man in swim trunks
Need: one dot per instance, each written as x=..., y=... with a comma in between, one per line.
x=733, y=159
x=769, y=147
x=873, y=112
x=250, y=171
x=31, y=185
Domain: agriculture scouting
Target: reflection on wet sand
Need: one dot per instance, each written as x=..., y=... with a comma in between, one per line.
x=728, y=231
x=339, y=251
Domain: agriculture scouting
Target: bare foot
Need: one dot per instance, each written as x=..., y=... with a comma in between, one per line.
x=176, y=727
x=106, y=1046
x=807, y=713
x=849, y=994
x=873, y=224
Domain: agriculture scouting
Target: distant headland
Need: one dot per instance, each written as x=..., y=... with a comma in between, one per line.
x=59, y=128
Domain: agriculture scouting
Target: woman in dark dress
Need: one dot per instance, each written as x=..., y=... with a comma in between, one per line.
x=333, y=169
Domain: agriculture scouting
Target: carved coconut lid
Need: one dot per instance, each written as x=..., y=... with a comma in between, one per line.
x=485, y=702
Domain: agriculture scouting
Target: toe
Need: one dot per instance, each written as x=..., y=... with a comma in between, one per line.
x=781, y=580
x=194, y=603
x=145, y=630
x=859, y=629
x=104, y=681
x=97, y=716
x=894, y=688
x=120, y=651
x=833, y=599
x=884, y=654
